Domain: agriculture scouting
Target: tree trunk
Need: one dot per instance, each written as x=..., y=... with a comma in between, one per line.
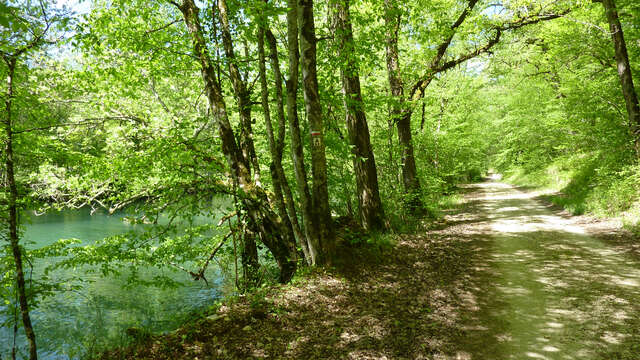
x=436, y=136
x=624, y=72
x=275, y=145
x=288, y=196
x=297, y=154
x=370, y=211
x=324, y=226
x=249, y=257
x=254, y=200
x=250, y=262
x=13, y=214
x=400, y=112
x=409, y=170
x=243, y=96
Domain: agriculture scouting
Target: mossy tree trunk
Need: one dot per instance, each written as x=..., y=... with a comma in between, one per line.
x=254, y=200
x=370, y=211
x=624, y=71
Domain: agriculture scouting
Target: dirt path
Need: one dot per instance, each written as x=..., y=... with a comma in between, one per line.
x=544, y=288
x=502, y=278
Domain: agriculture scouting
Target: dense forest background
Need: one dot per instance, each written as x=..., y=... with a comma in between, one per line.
x=290, y=126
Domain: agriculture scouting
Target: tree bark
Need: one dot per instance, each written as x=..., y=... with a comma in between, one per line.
x=624, y=72
x=288, y=195
x=400, y=111
x=276, y=146
x=14, y=238
x=250, y=262
x=324, y=225
x=254, y=200
x=370, y=211
x=297, y=151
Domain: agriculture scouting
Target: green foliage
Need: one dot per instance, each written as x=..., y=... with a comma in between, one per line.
x=574, y=138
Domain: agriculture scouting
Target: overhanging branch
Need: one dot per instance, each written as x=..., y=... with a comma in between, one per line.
x=417, y=91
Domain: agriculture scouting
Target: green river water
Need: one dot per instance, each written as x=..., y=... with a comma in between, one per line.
x=83, y=321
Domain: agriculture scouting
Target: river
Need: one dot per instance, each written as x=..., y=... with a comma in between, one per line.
x=70, y=324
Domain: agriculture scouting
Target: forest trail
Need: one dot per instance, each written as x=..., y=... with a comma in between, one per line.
x=543, y=288
x=502, y=277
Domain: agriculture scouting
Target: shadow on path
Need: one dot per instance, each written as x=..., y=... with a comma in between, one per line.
x=545, y=289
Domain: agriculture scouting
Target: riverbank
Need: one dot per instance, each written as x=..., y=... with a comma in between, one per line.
x=491, y=279
x=353, y=307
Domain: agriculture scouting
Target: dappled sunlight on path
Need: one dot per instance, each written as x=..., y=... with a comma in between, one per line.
x=544, y=288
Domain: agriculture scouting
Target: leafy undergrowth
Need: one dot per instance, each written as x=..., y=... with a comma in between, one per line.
x=397, y=301
x=599, y=184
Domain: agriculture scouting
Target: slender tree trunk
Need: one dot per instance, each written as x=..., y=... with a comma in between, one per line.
x=297, y=154
x=436, y=137
x=400, y=112
x=422, y=120
x=279, y=144
x=370, y=211
x=409, y=169
x=240, y=90
x=624, y=71
x=254, y=200
x=14, y=239
x=275, y=145
x=250, y=261
x=324, y=226
x=249, y=256
x=390, y=131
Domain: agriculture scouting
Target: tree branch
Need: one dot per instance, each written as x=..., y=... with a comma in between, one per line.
x=88, y=121
x=442, y=48
x=417, y=92
x=163, y=26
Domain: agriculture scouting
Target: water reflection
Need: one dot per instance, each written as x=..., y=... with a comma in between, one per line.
x=72, y=323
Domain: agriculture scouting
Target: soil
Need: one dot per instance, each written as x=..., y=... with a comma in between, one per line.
x=504, y=276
